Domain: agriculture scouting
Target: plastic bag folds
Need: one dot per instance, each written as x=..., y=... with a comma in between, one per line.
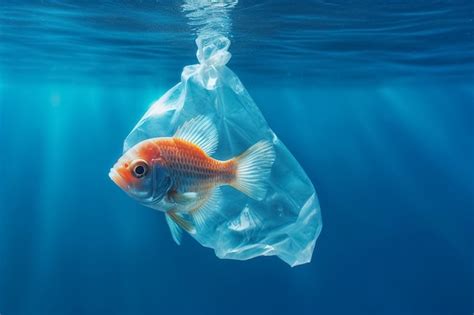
x=287, y=221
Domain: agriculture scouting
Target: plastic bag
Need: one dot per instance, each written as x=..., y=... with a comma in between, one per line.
x=287, y=221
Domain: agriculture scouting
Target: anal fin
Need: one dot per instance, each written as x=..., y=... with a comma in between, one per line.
x=205, y=212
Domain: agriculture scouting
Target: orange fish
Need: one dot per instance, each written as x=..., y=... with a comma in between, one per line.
x=177, y=174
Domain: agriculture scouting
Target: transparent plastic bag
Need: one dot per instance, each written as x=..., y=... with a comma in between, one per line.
x=287, y=221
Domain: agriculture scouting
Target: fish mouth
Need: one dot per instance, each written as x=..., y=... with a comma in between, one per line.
x=117, y=179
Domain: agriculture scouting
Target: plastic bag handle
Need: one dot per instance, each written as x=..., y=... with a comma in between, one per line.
x=213, y=50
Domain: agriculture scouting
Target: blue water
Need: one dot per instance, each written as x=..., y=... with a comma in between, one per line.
x=375, y=100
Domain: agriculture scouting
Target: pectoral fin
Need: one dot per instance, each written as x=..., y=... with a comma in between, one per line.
x=185, y=199
x=204, y=212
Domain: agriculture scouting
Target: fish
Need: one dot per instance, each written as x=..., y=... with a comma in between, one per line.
x=178, y=175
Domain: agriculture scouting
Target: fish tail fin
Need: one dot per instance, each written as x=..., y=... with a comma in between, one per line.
x=253, y=168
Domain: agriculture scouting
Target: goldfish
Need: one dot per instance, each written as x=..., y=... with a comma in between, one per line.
x=178, y=176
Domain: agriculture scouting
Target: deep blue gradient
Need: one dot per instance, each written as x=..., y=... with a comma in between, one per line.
x=388, y=143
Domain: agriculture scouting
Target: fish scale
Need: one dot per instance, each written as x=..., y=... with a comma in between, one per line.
x=191, y=168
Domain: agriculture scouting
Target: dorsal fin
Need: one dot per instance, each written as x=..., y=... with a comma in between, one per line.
x=200, y=131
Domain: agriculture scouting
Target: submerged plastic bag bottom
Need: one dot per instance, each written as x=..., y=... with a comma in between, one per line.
x=287, y=222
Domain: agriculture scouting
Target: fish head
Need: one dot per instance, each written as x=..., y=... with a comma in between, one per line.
x=141, y=175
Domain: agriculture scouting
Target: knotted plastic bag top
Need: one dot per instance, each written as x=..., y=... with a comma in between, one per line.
x=287, y=222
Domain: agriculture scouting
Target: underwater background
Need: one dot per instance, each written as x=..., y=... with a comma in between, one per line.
x=375, y=99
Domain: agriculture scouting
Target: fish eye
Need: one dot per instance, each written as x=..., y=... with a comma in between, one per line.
x=139, y=168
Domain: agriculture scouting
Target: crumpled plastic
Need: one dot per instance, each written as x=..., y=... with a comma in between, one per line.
x=287, y=222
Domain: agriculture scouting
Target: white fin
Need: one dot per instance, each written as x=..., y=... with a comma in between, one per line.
x=205, y=213
x=253, y=169
x=177, y=224
x=201, y=131
x=175, y=230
